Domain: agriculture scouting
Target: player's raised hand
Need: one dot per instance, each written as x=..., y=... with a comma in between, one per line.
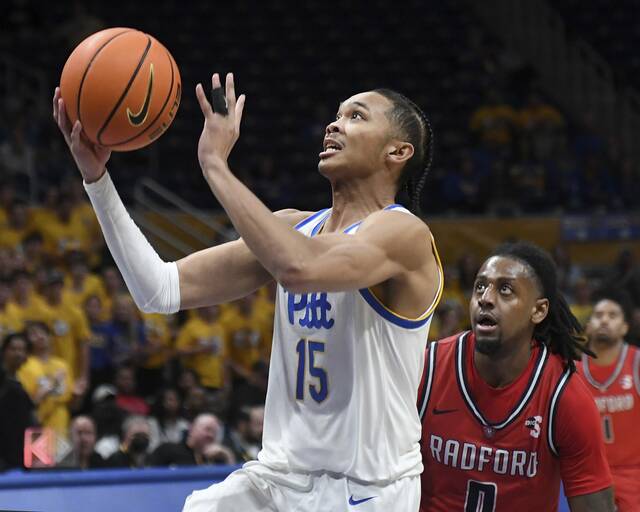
x=221, y=130
x=90, y=158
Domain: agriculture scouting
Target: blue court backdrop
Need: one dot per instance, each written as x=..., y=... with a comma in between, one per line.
x=109, y=490
x=112, y=490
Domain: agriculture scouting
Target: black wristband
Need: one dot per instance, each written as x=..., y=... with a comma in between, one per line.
x=218, y=101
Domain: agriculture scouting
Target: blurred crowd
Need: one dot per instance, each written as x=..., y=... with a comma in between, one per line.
x=124, y=388
x=143, y=389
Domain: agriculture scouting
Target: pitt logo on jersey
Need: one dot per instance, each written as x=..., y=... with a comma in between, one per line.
x=313, y=308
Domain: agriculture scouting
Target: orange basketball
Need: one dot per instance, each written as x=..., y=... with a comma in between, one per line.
x=123, y=85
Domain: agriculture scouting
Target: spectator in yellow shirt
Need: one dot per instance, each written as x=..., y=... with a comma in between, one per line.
x=70, y=330
x=16, y=229
x=156, y=348
x=80, y=283
x=581, y=305
x=47, y=379
x=201, y=346
x=63, y=233
x=9, y=323
x=25, y=305
x=494, y=122
x=244, y=336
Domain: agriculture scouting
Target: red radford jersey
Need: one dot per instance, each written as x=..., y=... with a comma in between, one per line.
x=489, y=449
x=616, y=389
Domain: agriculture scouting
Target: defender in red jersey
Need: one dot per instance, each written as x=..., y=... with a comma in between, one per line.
x=504, y=418
x=614, y=381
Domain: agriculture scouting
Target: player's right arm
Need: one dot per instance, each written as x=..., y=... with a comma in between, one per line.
x=211, y=276
x=578, y=440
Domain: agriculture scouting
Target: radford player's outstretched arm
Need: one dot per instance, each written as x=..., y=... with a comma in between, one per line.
x=211, y=276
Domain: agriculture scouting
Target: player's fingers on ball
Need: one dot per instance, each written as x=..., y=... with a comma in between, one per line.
x=239, y=110
x=75, y=133
x=202, y=100
x=215, y=81
x=63, y=120
x=230, y=91
x=56, y=95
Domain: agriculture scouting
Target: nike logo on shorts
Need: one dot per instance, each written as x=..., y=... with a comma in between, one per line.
x=357, y=502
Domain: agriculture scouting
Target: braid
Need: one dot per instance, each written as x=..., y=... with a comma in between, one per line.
x=560, y=331
x=416, y=127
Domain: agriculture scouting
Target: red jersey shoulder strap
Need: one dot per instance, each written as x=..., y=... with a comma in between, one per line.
x=427, y=378
x=636, y=369
x=622, y=357
x=534, y=380
x=553, y=408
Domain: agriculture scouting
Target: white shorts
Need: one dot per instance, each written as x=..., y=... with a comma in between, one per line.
x=256, y=488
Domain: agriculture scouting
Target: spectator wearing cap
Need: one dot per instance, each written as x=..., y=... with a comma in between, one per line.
x=70, y=330
x=204, y=431
x=133, y=451
x=47, y=379
x=15, y=404
x=83, y=441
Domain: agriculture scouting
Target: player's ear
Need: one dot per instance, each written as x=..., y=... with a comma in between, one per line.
x=399, y=152
x=540, y=311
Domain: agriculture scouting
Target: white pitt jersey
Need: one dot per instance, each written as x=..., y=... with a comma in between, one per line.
x=343, y=382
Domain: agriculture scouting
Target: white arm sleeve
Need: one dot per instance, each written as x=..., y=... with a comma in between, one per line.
x=153, y=283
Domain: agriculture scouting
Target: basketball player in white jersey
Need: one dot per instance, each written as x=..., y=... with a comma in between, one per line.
x=357, y=286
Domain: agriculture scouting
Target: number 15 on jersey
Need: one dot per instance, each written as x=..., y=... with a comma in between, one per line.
x=318, y=387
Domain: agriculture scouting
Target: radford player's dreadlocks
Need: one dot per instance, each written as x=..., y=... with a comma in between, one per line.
x=560, y=330
x=416, y=127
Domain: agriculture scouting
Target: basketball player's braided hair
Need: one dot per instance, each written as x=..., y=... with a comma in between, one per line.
x=560, y=331
x=416, y=127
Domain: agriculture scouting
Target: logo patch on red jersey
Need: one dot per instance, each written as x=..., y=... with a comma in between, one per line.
x=626, y=382
x=534, y=424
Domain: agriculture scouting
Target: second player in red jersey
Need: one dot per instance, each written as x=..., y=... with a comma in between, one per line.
x=505, y=419
x=614, y=381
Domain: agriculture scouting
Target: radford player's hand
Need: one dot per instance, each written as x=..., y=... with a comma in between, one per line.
x=220, y=132
x=90, y=158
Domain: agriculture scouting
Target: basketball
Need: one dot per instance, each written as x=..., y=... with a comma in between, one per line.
x=124, y=87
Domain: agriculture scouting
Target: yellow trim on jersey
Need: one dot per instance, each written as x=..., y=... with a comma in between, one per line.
x=436, y=299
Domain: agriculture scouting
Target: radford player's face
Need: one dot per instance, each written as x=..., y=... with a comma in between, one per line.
x=607, y=323
x=354, y=144
x=505, y=305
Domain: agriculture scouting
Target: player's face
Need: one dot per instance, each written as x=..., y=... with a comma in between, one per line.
x=607, y=323
x=505, y=305
x=355, y=142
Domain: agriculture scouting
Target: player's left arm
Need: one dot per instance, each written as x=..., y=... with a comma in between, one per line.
x=336, y=262
x=596, y=502
x=577, y=437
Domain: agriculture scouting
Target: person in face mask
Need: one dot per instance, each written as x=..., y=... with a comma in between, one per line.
x=134, y=446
